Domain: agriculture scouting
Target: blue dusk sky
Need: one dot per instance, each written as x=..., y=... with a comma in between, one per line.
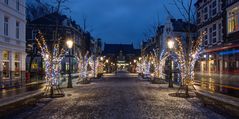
x=121, y=21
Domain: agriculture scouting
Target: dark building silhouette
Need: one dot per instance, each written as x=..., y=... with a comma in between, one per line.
x=120, y=56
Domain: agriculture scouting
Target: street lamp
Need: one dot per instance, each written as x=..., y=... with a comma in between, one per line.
x=101, y=58
x=170, y=44
x=69, y=44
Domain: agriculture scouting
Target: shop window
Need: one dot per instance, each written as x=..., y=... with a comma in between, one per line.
x=17, y=64
x=17, y=69
x=237, y=64
x=6, y=69
x=225, y=65
x=233, y=20
x=34, y=65
x=5, y=64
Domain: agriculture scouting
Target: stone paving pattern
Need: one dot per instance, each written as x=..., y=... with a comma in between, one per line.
x=119, y=98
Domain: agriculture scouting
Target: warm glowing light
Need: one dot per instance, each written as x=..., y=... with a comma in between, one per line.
x=47, y=56
x=135, y=61
x=107, y=61
x=194, y=55
x=205, y=56
x=170, y=44
x=140, y=58
x=69, y=43
x=101, y=58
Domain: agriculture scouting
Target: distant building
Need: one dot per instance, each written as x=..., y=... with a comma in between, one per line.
x=120, y=56
x=172, y=29
x=12, y=43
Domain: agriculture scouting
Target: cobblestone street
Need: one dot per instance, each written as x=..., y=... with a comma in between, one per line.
x=122, y=97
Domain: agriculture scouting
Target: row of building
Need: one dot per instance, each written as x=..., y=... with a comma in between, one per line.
x=219, y=19
x=19, y=52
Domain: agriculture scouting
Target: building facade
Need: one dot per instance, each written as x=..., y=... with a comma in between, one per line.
x=219, y=19
x=120, y=57
x=172, y=29
x=64, y=30
x=12, y=43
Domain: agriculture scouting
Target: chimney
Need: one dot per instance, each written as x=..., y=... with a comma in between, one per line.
x=173, y=20
x=180, y=20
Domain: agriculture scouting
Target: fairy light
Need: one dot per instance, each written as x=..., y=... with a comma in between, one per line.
x=187, y=65
x=52, y=60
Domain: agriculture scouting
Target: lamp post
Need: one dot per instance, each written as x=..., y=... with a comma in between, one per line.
x=170, y=44
x=69, y=44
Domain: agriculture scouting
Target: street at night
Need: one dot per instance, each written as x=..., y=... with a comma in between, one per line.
x=119, y=59
x=119, y=97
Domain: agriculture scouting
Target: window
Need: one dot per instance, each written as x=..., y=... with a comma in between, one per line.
x=17, y=64
x=17, y=29
x=6, y=1
x=214, y=33
x=5, y=64
x=205, y=12
x=214, y=8
x=219, y=32
x=206, y=37
x=6, y=26
x=233, y=20
x=17, y=5
x=210, y=35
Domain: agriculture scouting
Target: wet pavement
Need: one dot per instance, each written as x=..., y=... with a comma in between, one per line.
x=4, y=93
x=223, y=83
x=120, y=96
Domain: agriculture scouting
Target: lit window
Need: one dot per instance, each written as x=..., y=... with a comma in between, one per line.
x=5, y=64
x=17, y=64
x=233, y=20
x=5, y=55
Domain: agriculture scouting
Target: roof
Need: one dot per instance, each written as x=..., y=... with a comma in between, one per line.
x=50, y=19
x=181, y=26
x=116, y=48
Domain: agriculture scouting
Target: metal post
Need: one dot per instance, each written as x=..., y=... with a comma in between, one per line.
x=69, y=84
x=170, y=83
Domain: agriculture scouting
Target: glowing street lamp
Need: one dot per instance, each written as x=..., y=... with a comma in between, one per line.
x=69, y=44
x=107, y=61
x=101, y=58
x=135, y=61
x=170, y=44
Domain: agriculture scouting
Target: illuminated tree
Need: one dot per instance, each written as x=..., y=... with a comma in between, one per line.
x=52, y=61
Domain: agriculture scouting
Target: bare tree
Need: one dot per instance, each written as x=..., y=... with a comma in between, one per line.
x=187, y=52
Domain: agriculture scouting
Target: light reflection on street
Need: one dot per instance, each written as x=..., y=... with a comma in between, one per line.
x=223, y=83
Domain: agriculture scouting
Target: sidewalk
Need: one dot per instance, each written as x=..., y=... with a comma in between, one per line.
x=15, y=95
